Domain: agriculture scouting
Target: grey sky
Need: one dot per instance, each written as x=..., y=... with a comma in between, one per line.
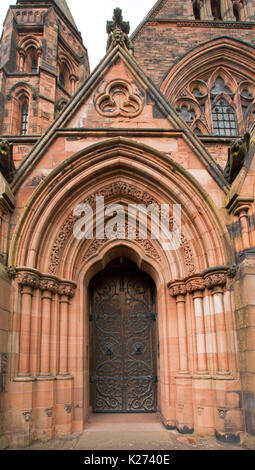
x=91, y=16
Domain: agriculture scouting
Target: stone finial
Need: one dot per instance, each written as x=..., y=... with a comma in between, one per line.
x=7, y=167
x=236, y=155
x=118, y=31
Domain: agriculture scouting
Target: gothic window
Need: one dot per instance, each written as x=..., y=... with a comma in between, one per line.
x=219, y=104
x=31, y=65
x=34, y=66
x=224, y=119
x=216, y=13
x=24, y=118
x=220, y=87
x=62, y=80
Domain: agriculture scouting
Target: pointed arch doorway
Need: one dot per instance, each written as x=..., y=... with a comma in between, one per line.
x=123, y=340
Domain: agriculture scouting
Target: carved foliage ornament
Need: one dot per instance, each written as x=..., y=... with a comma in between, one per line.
x=114, y=189
x=195, y=284
x=178, y=289
x=28, y=279
x=214, y=280
x=119, y=98
x=46, y=284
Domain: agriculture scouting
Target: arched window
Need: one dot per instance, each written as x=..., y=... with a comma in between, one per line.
x=34, y=66
x=31, y=61
x=24, y=118
x=216, y=13
x=224, y=119
x=62, y=80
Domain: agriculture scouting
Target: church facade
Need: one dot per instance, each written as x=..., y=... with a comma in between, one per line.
x=98, y=314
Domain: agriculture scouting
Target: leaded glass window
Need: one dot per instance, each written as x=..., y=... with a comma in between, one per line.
x=34, y=66
x=24, y=118
x=224, y=119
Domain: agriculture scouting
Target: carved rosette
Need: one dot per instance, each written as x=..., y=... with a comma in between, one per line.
x=195, y=284
x=176, y=289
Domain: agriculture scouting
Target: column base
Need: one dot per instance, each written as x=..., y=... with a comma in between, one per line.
x=45, y=377
x=22, y=378
x=64, y=377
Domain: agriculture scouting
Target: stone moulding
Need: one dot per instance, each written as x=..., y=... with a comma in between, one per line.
x=114, y=189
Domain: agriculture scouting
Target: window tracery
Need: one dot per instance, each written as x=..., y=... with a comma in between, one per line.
x=221, y=104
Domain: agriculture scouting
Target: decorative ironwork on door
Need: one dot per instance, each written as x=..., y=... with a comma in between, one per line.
x=123, y=357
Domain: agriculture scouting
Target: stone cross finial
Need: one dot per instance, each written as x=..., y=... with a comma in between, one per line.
x=118, y=31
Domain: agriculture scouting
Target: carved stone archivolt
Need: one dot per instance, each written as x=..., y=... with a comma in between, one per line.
x=119, y=98
x=113, y=190
x=147, y=246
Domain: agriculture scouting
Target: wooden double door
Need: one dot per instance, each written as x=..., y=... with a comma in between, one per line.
x=123, y=360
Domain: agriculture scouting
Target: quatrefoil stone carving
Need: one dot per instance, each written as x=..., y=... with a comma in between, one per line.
x=120, y=98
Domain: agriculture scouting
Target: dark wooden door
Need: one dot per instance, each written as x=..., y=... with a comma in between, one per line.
x=123, y=335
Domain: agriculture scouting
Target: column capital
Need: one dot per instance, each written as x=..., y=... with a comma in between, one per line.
x=195, y=283
x=49, y=284
x=177, y=288
x=67, y=289
x=27, y=278
x=216, y=277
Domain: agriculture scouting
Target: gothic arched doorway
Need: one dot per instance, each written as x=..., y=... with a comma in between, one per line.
x=123, y=346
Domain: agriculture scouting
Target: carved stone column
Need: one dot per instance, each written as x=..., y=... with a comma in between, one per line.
x=66, y=292
x=196, y=287
x=215, y=282
x=242, y=213
x=73, y=80
x=206, y=10
x=178, y=290
x=28, y=282
x=227, y=12
x=48, y=287
x=250, y=10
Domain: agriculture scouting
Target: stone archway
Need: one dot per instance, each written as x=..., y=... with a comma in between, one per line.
x=50, y=291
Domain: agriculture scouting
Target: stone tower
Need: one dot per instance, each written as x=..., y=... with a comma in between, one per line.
x=42, y=63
